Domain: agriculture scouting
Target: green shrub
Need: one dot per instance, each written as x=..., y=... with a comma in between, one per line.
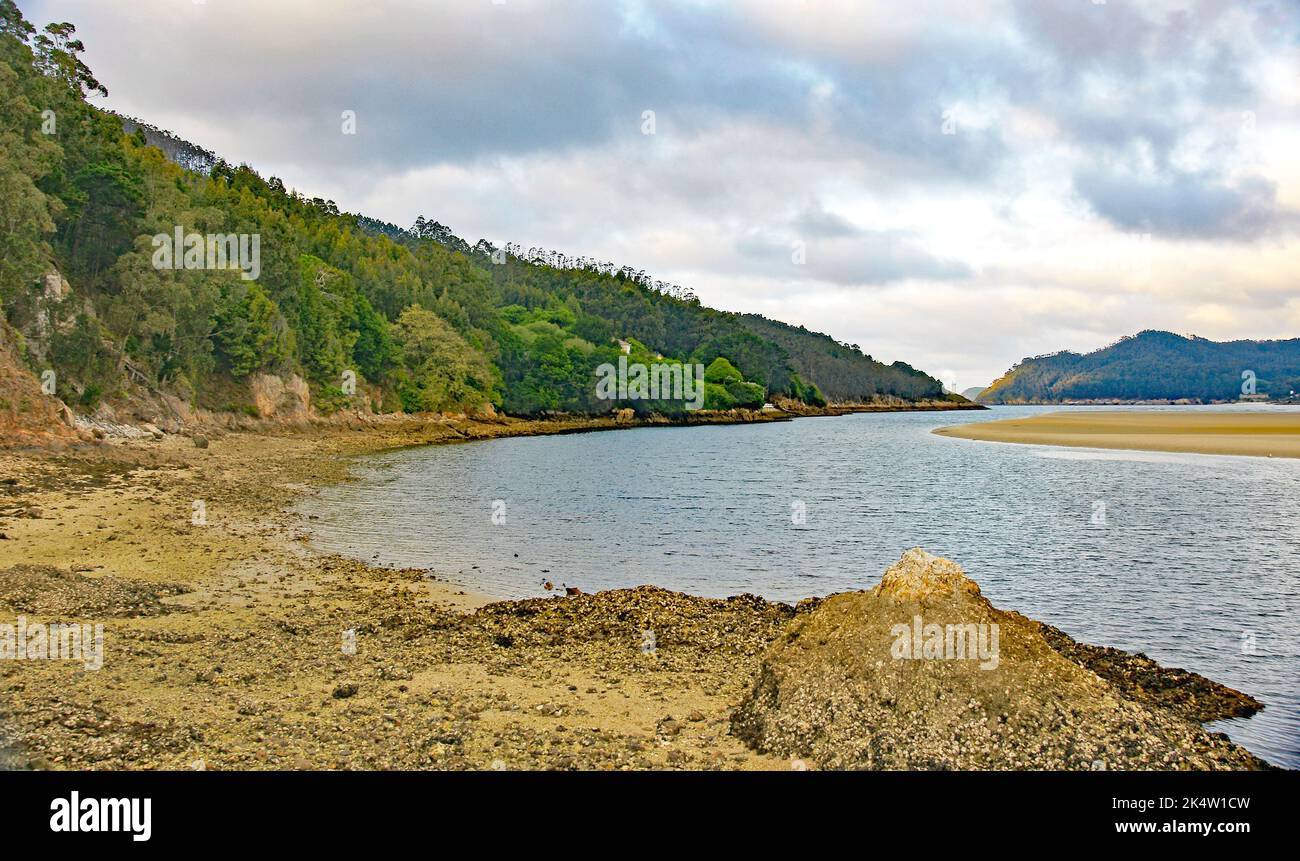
x=722, y=371
x=716, y=397
x=747, y=395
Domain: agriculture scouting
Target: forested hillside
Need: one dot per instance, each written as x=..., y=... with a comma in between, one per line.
x=367, y=313
x=1154, y=365
x=842, y=371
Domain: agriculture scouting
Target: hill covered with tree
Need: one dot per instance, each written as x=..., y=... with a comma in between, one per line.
x=365, y=312
x=842, y=371
x=1154, y=365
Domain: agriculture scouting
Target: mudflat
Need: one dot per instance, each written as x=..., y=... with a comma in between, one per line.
x=1257, y=434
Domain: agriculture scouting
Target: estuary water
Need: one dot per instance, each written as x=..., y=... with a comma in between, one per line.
x=1191, y=559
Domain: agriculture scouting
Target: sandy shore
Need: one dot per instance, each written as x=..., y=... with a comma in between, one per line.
x=1256, y=434
x=224, y=640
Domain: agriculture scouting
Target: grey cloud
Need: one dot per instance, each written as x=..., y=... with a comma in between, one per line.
x=1170, y=76
x=1109, y=34
x=862, y=258
x=429, y=86
x=472, y=82
x=1186, y=205
x=815, y=221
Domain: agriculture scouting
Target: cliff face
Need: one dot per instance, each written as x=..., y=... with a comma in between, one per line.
x=28, y=416
x=32, y=416
x=288, y=400
x=922, y=672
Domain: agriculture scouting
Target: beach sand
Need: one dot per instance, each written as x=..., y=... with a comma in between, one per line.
x=1257, y=434
x=224, y=641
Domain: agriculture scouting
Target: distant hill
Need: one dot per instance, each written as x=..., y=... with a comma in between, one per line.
x=973, y=392
x=1153, y=365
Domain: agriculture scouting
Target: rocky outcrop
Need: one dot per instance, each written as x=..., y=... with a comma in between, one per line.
x=277, y=397
x=49, y=299
x=922, y=672
x=28, y=416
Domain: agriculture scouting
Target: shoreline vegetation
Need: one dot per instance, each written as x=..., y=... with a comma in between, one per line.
x=225, y=643
x=1253, y=434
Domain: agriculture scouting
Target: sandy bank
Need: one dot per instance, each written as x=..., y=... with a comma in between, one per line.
x=1254, y=434
x=224, y=641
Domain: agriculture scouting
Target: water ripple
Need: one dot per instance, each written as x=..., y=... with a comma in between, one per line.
x=1190, y=559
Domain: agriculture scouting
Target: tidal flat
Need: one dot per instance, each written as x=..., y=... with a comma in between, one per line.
x=1255, y=434
x=230, y=644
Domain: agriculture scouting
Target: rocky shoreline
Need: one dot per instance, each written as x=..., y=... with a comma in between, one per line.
x=62, y=429
x=226, y=642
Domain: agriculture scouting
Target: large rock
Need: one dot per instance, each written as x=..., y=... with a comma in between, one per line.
x=922, y=672
x=280, y=398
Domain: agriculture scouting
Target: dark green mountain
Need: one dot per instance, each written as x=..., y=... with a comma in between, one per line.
x=1154, y=365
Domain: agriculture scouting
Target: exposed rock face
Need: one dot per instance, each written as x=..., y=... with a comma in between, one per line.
x=54, y=289
x=28, y=416
x=923, y=672
x=275, y=397
x=918, y=576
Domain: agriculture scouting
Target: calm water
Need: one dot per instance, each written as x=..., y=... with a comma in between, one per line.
x=1192, y=559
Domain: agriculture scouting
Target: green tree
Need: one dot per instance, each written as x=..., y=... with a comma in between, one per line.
x=441, y=371
x=251, y=334
x=722, y=371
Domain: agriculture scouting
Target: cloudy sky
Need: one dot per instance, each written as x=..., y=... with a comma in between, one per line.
x=955, y=184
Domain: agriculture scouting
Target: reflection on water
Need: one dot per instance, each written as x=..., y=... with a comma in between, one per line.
x=1188, y=558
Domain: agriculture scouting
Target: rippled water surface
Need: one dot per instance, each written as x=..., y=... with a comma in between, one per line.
x=1192, y=559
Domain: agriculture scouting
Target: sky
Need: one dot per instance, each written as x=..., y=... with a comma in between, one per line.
x=958, y=185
